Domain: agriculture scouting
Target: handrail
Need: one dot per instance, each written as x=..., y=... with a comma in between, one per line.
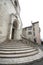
x=32, y=43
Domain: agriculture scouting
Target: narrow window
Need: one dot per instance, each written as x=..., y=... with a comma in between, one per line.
x=15, y=2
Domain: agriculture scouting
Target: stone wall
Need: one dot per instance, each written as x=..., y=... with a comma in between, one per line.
x=4, y=20
x=6, y=9
x=35, y=36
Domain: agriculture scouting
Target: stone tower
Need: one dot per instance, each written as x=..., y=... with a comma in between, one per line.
x=36, y=32
x=10, y=22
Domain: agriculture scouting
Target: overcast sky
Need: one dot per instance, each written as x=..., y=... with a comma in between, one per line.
x=32, y=10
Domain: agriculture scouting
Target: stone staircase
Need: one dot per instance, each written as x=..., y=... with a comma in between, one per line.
x=15, y=52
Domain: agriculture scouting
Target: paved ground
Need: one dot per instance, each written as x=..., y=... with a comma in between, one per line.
x=38, y=62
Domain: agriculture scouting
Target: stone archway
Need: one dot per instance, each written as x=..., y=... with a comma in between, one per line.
x=14, y=27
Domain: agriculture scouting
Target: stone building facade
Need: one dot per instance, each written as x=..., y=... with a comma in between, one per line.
x=10, y=22
x=32, y=32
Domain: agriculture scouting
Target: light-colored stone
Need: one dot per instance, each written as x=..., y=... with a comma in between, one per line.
x=9, y=13
x=21, y=60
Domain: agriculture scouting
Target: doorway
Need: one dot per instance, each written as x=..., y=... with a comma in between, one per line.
x=13, y=33
x=14, y=27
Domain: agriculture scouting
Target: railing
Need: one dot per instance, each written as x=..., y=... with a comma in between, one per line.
x=29, y=42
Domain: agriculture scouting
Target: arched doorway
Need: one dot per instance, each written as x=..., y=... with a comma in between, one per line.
x=14, y=27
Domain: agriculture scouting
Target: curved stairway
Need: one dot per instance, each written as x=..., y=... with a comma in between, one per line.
x=15, y=52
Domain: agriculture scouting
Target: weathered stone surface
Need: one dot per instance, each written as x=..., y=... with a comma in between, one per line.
x=8, y=14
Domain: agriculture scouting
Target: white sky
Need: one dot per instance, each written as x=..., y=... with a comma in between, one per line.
x=32, y=10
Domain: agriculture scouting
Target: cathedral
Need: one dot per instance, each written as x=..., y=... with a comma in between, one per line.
x=10, y=21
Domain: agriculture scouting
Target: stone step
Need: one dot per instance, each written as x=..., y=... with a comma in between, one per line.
x=14, y=46
x=15, y=51
x=18, y=48
x=3, y=55
x=19, y=61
